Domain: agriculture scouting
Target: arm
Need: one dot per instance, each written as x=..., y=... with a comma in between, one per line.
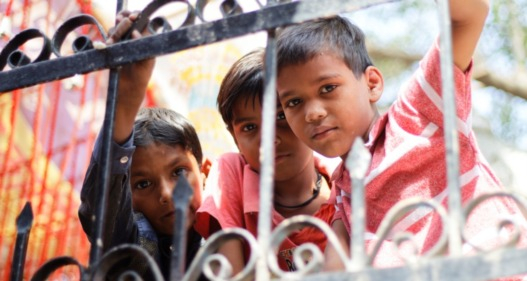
x=132, y=88
x=117, y=231
x=233, y=251
x=222, y=206
x=468, y=18
x=133, y=81
x=332, y=260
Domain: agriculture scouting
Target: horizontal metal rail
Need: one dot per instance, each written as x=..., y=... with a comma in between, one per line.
x=181, y=39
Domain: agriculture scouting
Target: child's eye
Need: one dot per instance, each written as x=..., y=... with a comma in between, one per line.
x=142, y=184
x=180, y=172
x=327, y=88
x=292, y=103
x=248, y=127
x=280, y=116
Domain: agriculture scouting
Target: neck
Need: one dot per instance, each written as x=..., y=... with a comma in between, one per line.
x=288, y=190
x=366, y=136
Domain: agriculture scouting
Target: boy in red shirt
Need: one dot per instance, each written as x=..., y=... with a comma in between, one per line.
x=231, y=197
x=328, y=87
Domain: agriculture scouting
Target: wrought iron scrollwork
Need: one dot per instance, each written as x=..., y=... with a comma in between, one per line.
x=14, y=57
x=82, y=43
x=144, y=266
x=516, y=229
x=400, y=210
x=189, y=34
x=307, y=258
x=215, y=266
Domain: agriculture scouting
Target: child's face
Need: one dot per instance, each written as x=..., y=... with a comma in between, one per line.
x=155, y=170
x=291, y=155
x=325, y=105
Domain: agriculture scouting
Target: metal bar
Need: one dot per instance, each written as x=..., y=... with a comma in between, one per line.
x=450, y=130
x=24, y=222
x=267, y=157
x=97, y=245
x=185, y=38
x=484, y=266
x=358, y=163
x=181, y=197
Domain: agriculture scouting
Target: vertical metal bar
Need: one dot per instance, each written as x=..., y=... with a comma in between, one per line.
x=23, y=227
x=357, y=163
x=267, y=157
x=181, y=197
x=104, y=172
x=450, y=129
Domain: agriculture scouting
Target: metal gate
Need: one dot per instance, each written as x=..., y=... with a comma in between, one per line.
x=262, y=264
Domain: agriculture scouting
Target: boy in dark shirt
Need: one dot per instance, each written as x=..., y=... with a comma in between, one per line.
x=152, y=148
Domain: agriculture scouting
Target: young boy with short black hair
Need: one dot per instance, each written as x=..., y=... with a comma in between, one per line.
x=151, y=149
x=328, y=88
x=231, y=198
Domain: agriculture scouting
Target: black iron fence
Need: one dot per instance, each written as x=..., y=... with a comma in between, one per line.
x=195, y=31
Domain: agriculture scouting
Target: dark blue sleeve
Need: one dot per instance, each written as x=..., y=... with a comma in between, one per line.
x=119, y=227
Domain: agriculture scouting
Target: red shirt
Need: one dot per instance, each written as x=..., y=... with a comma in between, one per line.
x=232, y=198
x=408, y=160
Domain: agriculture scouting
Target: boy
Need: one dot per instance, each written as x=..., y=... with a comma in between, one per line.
x=164, y=146
x=328, y=88
x=231, y=198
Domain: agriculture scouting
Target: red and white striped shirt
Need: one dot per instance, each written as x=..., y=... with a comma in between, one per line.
x=408, y=160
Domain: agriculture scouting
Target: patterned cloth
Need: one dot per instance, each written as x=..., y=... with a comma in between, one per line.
x=232, y=198
x=408, y=160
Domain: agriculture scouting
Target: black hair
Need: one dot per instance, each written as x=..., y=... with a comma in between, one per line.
x=299, y=43
x=161, y=125
x=244, y=79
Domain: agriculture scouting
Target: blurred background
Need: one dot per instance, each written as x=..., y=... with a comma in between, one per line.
x=47, y=131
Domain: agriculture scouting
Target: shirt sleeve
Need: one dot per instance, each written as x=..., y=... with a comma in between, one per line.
x=121, y=154
x=222, y=205
x=119, y=223
x=421, y=99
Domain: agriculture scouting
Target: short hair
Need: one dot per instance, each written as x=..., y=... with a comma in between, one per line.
x=244, y=79
x=299, y=43
x=165, y=126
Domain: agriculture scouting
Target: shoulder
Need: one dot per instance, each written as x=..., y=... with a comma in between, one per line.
x=226, y=172
x=231, y=161
x=232, y=158
x=430, y=64
x=326, y=166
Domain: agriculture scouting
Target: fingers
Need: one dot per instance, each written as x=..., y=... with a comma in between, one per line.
x=125, y=21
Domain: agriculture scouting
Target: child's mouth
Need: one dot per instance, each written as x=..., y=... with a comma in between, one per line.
x=321, y=132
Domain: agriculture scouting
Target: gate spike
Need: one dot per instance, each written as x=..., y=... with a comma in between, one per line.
x=181, y=197
x=24, y=221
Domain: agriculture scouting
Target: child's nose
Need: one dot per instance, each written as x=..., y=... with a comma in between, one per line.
x=315, y=112
x=277, y=139
x=166, y=192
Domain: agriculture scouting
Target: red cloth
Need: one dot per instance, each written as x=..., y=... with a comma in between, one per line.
x=408, y=160
x=232, y=198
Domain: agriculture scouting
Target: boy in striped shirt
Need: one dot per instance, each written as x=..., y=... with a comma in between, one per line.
x=328, y=88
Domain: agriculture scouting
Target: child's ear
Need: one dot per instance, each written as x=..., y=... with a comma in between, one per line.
x=375, y=82
x=205, y=167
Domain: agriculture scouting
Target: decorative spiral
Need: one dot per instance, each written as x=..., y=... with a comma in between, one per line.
x=82, y=43
x=515, y=234
x=397, y=212
x=215, y=266
x=52, y=265
x=307, y=258
x=110, y=266
x=12, y=55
